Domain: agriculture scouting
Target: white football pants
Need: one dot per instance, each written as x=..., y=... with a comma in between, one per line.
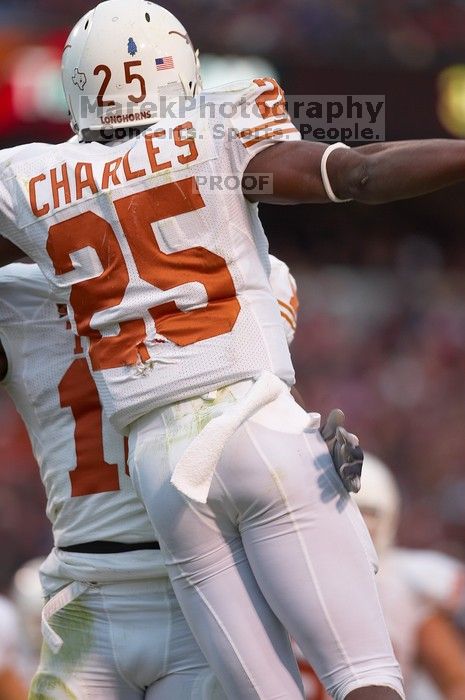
x=124, y=641
x=279, y=546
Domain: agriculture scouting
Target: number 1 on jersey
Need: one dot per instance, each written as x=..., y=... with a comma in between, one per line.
x=78, y=392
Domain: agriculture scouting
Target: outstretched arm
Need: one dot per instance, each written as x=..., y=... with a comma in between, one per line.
x=367, y=174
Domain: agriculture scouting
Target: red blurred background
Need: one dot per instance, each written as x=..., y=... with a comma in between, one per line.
x=382, y=318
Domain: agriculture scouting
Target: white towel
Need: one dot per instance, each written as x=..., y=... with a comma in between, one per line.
x=193, y=474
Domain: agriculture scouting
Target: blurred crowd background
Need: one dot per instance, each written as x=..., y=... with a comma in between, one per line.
x=382, y=290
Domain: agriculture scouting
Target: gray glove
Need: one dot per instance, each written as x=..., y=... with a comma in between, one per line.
x=345, y=451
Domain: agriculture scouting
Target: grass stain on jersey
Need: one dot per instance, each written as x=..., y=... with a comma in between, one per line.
x=210, y=410
x=187, y=421
x=46, y=686
x=74, y=623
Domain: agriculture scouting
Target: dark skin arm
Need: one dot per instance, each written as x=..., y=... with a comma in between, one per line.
x=372, y=174
x=3, y=362
x=298, y=398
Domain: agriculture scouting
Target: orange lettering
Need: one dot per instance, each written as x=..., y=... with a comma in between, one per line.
x=92, y=474
x=170, y=270
x=275, y=94
x=88, y=181
x=128, y=173
x=84, y=230
x=110, y=172
x=187, y=141
x=58, y=185
x=137, y=214
x=152, y=151
x=33, y=197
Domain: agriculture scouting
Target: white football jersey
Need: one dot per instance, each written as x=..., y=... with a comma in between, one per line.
x=162, y=259
x=434, y=577
x=81, y=457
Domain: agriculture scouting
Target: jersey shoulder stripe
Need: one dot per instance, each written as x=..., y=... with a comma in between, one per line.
x=257, y=111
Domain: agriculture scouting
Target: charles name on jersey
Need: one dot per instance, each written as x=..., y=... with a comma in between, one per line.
x=70, y=183
x=187, y=274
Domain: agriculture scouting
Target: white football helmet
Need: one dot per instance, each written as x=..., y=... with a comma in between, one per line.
x=379, y=500
x=120, y=59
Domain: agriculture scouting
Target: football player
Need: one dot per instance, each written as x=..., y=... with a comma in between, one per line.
x=421, y=591
x=116, y=631
x=138, y=644
x=167, y=283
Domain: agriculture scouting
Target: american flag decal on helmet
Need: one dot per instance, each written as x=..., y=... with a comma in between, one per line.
x=164, y=63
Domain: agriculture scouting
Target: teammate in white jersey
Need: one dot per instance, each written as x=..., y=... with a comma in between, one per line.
x=91, y=513
x=421, y=591
x=123, y=636
x=167, y=283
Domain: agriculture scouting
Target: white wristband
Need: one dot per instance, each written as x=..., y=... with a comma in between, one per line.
x=324, y=172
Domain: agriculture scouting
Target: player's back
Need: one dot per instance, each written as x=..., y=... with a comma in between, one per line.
x=164, y=263
x=81, y=458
